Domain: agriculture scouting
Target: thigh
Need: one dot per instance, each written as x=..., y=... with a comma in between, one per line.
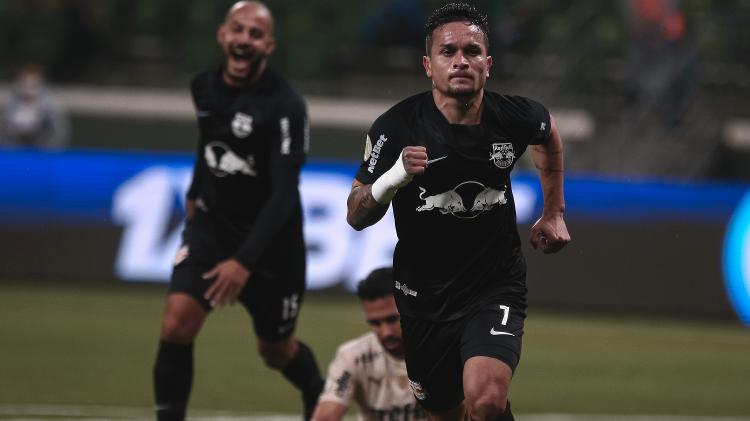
x=187, y=278
x=433, y=362
x=273, y=297
x=494, y=331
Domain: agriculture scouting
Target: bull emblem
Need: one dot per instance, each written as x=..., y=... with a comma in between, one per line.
x=452, y=202
x=488, y=198
x=502, y=154
x=229, y=162
x=446, y=202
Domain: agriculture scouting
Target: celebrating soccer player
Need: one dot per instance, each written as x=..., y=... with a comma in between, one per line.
x=444, y=159
x=243, y=237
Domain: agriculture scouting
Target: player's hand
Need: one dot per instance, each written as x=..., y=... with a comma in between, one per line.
x=229, y=278
x=549, y=234
x=414, y=159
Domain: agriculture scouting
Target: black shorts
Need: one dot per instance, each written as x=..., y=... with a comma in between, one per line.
x=437, y=351
x=273, y=294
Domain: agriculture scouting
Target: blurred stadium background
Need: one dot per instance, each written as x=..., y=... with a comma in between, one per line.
x=643, y=317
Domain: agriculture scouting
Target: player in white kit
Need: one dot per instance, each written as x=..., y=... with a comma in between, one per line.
x=370, y=369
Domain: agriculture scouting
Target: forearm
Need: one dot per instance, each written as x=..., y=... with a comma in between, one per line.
x=362, y=208
x=548, y=159
x=273, y=216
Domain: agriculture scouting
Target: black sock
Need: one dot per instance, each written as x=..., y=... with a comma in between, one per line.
x=173, y=377
x=304, y=374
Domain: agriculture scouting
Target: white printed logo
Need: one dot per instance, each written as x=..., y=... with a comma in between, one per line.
x=452, y=201
x=405, y=289
x=286, y=138
x=495, y=332
x=375, y=153
x=502, y=154
x=543, y=126
x=242, y=125
x=368, y=148
x=504, y=321
x=418, y=390
x=221, y=160
x=181, y=255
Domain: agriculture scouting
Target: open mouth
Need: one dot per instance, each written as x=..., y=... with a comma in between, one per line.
x=239, y=61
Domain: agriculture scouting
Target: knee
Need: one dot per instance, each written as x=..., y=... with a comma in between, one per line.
x=488, y=405
x=276, y=355
x=178, y=330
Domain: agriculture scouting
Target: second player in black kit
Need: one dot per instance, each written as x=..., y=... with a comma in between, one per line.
x=243, y=238
x=444, y=159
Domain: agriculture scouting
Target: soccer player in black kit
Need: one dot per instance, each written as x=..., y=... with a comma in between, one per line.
x=444, y=159
x=243, y=236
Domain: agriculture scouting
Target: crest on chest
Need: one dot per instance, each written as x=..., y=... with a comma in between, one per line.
x=242, y=125
x=502, y=154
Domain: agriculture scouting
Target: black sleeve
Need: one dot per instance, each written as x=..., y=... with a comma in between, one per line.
x=197, y=92
x=199, y=171
x=289, y=150
x=382, y=148
x=534, y=120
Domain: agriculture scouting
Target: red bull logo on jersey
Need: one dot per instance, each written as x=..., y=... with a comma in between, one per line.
x=222, y=161
x=502, y=155
x=483, y=198
x=242, y=125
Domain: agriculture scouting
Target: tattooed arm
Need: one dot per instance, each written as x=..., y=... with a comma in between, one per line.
x=367, y=203
x=362, y=209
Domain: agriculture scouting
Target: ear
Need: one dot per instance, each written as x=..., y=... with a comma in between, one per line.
x=427, y=66
x=220, y=33
x=271, y=45
x=489, y=64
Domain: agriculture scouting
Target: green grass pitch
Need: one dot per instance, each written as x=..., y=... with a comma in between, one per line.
x=71, y=344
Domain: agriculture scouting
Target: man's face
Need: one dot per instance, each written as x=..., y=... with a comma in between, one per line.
x=382, y=316
x=246, y=39
x=458, y=63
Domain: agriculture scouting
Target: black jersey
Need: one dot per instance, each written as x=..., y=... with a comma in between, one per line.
x=253, y=142
x=458, y=244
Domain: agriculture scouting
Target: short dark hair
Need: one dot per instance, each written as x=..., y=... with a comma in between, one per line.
x=378, y=284
x=456, y=12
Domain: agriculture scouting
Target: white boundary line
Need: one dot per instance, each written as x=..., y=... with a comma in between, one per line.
x=12, y=412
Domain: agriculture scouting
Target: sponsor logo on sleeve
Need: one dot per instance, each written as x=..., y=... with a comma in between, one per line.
x=342, y=383
x=375, y=154
x=286, y=138
x=368, y=148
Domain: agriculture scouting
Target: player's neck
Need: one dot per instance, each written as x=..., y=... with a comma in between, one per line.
x=459, y=110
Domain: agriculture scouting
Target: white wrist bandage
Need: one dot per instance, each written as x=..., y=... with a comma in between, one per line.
x=385, y=187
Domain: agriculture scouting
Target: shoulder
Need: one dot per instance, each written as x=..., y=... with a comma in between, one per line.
x=203, y=87
x=360, y=351
x=203, y=80
x=358, y=345
x=517, y=103
x=287, y=96
x=403, y=112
